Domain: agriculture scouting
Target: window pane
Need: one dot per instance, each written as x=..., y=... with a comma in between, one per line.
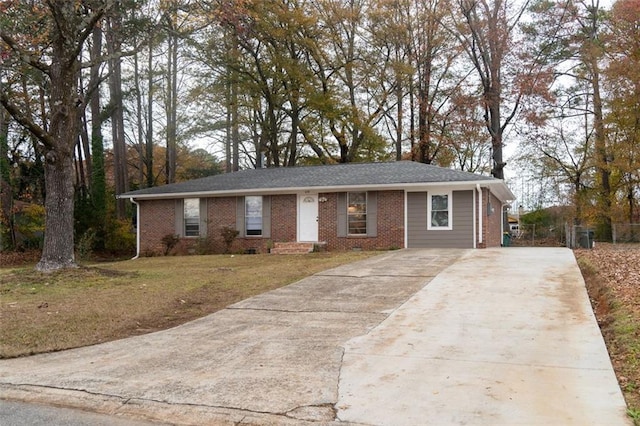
x=191, y=217
x=439, y=202
x=357, y=225
x=191, y=227
x=253, y=215
x=357, y=213
x=439, y=218
x=357, y=198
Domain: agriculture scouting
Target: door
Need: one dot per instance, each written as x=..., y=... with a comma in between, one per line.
x=308, y=217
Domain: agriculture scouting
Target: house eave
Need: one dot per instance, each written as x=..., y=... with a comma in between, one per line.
x=497, y=187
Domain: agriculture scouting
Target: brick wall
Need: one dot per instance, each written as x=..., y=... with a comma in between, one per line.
x=491, y=223
x=493, y=227
x=284, y=217
x=390, y=224
x=159, y=220
x=221, y=213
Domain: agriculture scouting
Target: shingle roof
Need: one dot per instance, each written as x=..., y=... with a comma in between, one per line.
x=329, y=176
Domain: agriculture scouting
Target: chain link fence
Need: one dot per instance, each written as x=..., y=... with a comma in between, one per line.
x=624, y=233
x=572, y=236
x=538, y=236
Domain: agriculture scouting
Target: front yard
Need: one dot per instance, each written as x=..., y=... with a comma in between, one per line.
x=108, y=301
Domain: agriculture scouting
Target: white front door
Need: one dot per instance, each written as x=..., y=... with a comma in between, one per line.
x=308, y=217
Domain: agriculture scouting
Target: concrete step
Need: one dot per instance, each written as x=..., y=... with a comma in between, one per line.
x=292, y=248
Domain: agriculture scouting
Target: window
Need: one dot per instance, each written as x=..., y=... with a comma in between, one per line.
x=253, y=215
x=192, y=217
x=357, y=213
x=439, y=207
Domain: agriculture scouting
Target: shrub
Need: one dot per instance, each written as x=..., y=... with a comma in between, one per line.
x=170, y=241
x=119, y=236
x=86, y=243
x=229, y=235
x=29, y=225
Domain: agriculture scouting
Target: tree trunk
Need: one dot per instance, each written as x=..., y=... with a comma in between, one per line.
x=6, y=190
x=149, y=142
x=57, y=252
x=117, y=116
x=172, y=104
x=399, y=117
x=602, y=158
x=98, y=184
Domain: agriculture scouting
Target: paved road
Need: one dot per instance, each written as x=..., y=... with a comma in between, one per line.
x=497, y=336
x=22, y=414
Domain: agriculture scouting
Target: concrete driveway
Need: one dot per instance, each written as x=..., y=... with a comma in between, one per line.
x=497, y=336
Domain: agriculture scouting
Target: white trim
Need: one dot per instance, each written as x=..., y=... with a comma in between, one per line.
x=137, y=229
x=406, y=219
x=449, y=195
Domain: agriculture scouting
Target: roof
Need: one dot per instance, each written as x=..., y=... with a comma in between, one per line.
x=350, y=176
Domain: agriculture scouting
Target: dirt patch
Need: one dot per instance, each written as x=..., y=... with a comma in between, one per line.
x=612, y=276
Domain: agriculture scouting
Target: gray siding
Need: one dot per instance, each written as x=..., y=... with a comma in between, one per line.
x=461, y=236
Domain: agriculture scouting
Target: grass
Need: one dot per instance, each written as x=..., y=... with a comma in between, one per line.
x=102, y=302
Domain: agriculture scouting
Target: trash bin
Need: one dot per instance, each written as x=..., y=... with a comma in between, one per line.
x=585, y=239
x=506, y=239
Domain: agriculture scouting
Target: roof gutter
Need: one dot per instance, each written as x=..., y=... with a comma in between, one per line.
x=479, y=189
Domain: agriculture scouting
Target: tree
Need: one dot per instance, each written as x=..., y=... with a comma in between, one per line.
x=487, y=31
x=63, y=27
x=622, y=82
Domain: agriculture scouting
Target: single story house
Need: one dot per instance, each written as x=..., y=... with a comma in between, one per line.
x=364, y=206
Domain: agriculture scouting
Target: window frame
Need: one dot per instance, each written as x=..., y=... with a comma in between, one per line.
x=352, y=214
x=255, y=232
x=430, y=211
x=194, y=220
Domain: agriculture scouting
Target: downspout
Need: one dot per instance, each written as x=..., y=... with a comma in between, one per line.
x=137, y=229
x=479, y=213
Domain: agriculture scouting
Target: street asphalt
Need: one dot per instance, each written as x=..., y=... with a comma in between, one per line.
x=443, y=337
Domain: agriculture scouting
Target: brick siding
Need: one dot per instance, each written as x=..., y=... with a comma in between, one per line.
x=491, y=223
x=493, y=235
x=158, y=220
x=390, y=224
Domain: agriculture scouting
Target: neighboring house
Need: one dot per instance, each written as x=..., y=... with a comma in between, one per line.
x=364, y=206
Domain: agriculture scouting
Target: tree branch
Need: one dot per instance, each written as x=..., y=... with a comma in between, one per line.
x=24, y=56
x=91, y=22
x=22, y=119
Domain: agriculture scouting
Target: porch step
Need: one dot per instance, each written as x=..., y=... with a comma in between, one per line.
x=292, y=248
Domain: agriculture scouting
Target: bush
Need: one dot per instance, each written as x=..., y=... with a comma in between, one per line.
x=29, y=226
x=537, y=217
x=229, y=235
x=86, y=244
x=170, y=241
x=119, y=237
